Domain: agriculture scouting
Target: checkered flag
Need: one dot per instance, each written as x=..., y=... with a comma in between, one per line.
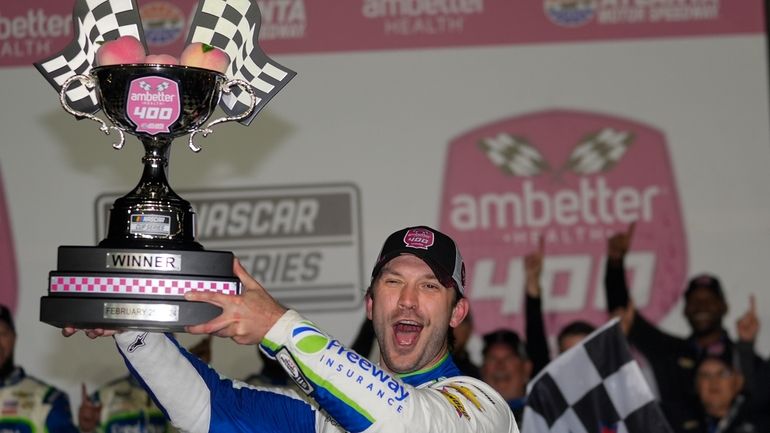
x=600, y=151
x=95, y=21
x=233, y=26
x=514, y=155
x=595, y=387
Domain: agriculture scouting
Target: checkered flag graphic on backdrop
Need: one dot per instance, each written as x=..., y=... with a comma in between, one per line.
x=599, y=152
x=95, y=21
x=595, y=387
x=233, y=26
x=514, y=155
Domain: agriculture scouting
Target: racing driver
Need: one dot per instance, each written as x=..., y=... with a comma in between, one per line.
x=415, y=298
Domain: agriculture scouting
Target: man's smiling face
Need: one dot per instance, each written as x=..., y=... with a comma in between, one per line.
x=412, y=313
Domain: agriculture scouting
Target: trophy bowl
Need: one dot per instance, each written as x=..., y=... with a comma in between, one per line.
x=136, y=277
x=166, y=117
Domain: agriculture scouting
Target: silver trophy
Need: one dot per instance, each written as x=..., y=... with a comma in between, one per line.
x=137, y=276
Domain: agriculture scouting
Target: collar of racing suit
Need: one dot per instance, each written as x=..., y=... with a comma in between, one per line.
x=17, y=374
x=441, y=370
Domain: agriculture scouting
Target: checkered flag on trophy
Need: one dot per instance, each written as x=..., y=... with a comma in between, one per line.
x=233, y=26
x=95, y=21
x=593, y=387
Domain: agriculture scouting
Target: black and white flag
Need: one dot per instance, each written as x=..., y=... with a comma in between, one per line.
x=595, y=387
x=233, y=26
x=95, y=21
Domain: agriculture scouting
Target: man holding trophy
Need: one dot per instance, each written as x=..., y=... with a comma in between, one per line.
x=149, y=274
x=414, y=300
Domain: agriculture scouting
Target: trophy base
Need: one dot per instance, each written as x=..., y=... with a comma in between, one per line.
x=124, y=288
x=161, y=315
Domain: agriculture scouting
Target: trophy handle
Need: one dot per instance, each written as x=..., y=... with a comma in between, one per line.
x=246, y=87
x=90, y=83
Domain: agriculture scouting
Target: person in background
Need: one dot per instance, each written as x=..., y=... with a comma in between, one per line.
x=507, y=368
x=458, y=346
x=124, y=406
x=724, y=407
x=573, y=333
x=120, y=406
x=508, y=362
x=536, y=342
x=28, y=404
x=755, y=370
x=570, y=335
x=671, y=358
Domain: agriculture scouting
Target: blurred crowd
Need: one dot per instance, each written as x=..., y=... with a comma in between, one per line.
x=707, y=382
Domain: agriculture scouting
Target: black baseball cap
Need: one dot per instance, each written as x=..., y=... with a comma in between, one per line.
x=726, y=357
x=508, y=338
x=436, y=249
x=5, y=316
x=707, y=281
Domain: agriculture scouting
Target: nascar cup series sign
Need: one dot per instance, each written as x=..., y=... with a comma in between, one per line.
x=572, y=178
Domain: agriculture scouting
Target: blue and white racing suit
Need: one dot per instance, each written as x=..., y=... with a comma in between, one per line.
x=343, y=392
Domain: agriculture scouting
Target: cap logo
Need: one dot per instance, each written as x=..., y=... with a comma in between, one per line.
x=419, y=238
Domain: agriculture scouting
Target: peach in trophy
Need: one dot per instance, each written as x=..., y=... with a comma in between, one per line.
x=123, y=50
x=161, y=59
x=205, y=56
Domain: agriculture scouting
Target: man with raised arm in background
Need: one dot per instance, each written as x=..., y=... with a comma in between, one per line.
x=673, y=359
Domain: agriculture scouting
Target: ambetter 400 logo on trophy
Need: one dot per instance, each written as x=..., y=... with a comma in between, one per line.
x=137, y=276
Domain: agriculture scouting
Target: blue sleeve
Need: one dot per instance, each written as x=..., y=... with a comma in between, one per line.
x=59, y=419
x=197, y=399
